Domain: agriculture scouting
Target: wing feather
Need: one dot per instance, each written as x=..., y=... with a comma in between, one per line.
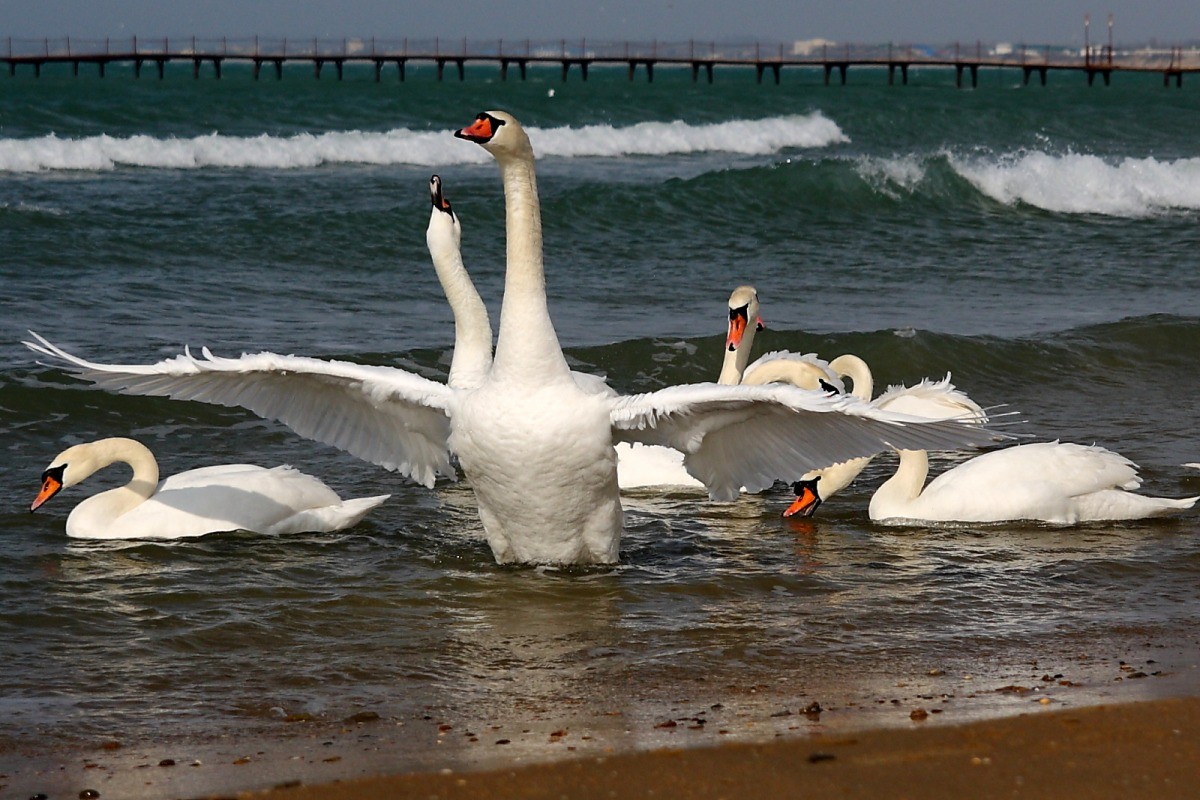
x=383, y=415
x=749, y=436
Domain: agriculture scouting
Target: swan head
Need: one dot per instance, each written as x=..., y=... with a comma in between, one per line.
x=499, y=133
x=807, y=501
x=743, y=306
x=78, y=462
x=66, y=469
x=442, y=220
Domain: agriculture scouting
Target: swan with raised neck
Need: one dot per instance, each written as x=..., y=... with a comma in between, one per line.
x=527, y=346
x=472, y=327
x=537, y=448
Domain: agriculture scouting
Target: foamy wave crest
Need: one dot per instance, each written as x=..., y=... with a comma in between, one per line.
x=1084, y=184
x=402, y=146
x=749, y=137
x=886, y=175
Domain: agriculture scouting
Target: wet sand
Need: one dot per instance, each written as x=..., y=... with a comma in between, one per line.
x=1123, y=732
x=1146, y=749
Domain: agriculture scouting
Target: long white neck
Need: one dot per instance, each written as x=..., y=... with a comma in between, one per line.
x=899, y=491
x=527, y=347
x=95, y=456
x=472, y=328
x=854, y=368
x=734, y=364
x=839, y=476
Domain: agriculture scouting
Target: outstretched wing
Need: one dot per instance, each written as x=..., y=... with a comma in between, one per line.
x=383, y=415
x=748, y=436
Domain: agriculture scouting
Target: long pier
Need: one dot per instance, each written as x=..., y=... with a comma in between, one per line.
x=701, y=57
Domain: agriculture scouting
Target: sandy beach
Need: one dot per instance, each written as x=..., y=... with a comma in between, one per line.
x=1122, y=733
x=1147, y=749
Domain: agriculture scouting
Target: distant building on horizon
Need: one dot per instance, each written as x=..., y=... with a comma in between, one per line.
x=811, y=47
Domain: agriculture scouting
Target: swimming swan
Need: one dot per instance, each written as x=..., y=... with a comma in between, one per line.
x=537, y=448
x=929, y=399
x=221, y=498
x=1055, y=482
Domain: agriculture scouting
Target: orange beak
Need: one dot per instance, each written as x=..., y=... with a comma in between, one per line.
x=759, y=325
x=51, y=485
x=806, y=501
x=480, y=131
x=737, y=329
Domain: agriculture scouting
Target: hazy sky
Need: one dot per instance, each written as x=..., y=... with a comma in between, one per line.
x=924, y=21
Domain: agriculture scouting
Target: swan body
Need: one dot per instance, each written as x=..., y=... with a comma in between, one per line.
x=927, y=399
x=1056, y=482
x=192, y=503
x=536, y=442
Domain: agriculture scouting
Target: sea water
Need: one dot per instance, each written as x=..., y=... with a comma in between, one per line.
x=1037, y=243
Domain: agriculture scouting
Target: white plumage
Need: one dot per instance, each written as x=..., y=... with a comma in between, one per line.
x=192, y=503
x=1055, y=482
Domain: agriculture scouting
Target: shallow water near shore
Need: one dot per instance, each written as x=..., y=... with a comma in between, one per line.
x=1036, y=243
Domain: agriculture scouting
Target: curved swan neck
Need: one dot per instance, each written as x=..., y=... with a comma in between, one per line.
x=908, y=482
x=527, y=344
x=786, y=370
x=854, y=368
x=472, y=328
x=84, y=460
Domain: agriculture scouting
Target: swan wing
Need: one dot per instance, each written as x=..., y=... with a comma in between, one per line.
x=383, y=415
x=735, y=436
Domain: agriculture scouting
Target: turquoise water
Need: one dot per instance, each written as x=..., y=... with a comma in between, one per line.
x=1037, y=243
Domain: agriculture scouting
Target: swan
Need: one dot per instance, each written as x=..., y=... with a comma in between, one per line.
x=929, y=399
x=472, y=328
x=1056, y=482
x=535, y=442
x=648, y=466
x=199, y=501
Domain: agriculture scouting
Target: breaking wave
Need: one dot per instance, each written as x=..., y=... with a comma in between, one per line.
x=411, y=147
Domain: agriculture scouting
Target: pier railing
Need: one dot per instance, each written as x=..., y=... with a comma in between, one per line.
x=1034, y=59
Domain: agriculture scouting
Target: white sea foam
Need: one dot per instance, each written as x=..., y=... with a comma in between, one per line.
x=1086, y=184
x=887, y=174
x=403, y=146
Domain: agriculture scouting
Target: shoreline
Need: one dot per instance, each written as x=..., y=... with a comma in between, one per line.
x=1139, y=749
x=767, y=742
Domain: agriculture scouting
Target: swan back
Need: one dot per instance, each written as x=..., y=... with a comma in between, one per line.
x=932, y=400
